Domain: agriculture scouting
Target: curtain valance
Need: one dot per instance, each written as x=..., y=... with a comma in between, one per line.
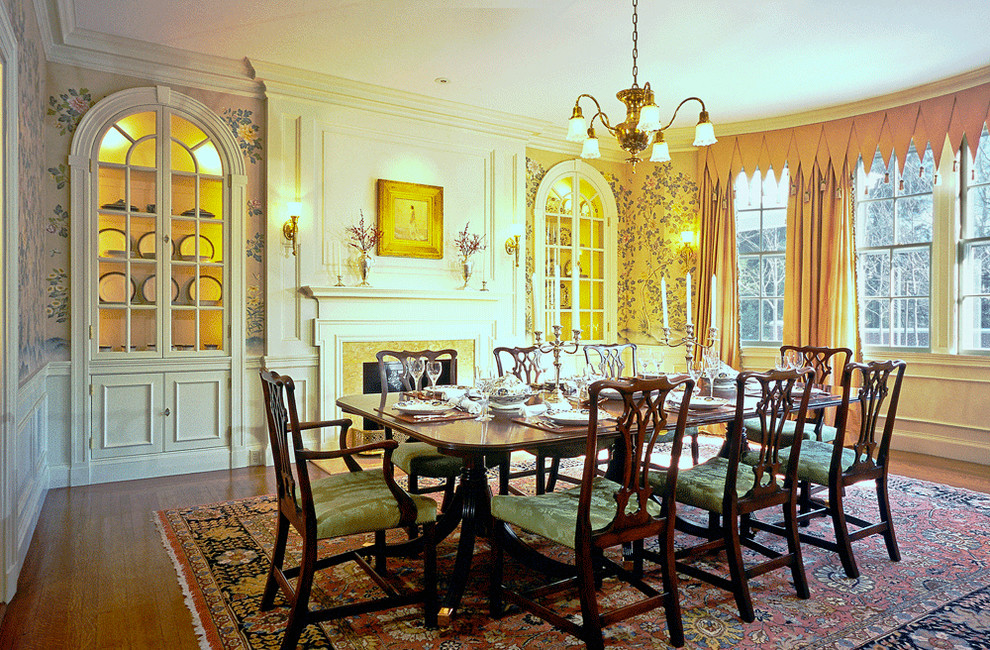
x=835, y=142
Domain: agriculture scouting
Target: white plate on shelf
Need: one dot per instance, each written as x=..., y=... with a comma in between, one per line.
x=148, y=290
x=208, y=288
x=416, y=407
x=113, y=288
x=187, y=247
x=569, y=417
x=147, y=245
x=112, y=240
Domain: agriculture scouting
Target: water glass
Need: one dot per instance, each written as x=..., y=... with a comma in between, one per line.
x=484, y=384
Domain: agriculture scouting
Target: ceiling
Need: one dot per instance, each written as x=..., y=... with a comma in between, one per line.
x=531, y=58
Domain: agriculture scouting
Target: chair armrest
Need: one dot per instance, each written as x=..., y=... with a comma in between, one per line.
x=310, y=454
x=343, y=422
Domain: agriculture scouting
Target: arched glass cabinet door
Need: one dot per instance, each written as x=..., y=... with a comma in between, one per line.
x=161, y=237
x=576, y=252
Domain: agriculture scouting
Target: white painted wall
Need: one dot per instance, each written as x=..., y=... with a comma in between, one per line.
x=328, y=151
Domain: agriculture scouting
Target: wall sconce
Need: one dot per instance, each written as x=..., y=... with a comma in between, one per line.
x=512, y=243
x=687, y=247
x=291, y=227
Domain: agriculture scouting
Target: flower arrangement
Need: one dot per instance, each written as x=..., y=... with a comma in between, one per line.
x=469, y=244
x=362, y=237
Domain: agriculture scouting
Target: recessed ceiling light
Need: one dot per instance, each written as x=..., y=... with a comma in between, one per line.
x=441, y=80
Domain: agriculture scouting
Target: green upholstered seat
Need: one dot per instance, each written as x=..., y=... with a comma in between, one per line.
x=815, y=459
x=360, y=502
x=553, y=515
x=703, y=485
x=423, y=459
x=787, y=434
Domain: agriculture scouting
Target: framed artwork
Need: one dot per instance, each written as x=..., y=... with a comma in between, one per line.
x=410, y=217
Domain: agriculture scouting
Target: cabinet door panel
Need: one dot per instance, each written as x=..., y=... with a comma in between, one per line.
x=200, y=410
x=127, y=415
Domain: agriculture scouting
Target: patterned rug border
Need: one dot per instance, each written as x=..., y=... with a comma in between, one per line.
x=207, y=635
x=884, y=625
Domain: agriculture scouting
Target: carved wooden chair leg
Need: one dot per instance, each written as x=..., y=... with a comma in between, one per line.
x=794, y=550
x=671, y=601
x=541, y=473
x=552, y=476
x=888, y=534
x=278, y=560
x=300, y=606
x=589, y=581
x=737, y=570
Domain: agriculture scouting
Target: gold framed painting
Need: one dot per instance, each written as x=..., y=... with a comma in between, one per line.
x=410, y=217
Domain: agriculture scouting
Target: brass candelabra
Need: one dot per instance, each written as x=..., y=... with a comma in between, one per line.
x=556, y=347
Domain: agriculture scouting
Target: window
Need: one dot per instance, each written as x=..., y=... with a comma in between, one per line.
x=761, y=239
x=575, y=212
x=893, y=245
x=974, y=285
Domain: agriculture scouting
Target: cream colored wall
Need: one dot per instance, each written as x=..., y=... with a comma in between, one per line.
x=329, y=151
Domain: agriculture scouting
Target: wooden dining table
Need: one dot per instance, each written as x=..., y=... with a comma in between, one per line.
x=472, y=440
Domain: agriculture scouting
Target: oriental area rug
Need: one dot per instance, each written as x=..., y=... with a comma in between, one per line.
x=937, y=596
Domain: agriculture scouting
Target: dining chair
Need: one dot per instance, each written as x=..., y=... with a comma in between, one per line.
x=599, y=514
x=525, y=364
x=855, y=455
x=353, y=503
x=826, y=362
x=608, y=359
x=419, y=459
x=729, y=489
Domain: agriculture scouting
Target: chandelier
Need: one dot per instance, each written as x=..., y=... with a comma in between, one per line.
x=642, y=126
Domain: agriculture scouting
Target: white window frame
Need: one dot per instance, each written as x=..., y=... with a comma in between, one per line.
x=760, y=209
x=966, y=244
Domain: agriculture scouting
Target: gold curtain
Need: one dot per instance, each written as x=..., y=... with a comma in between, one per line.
x=717, y=256
x=820, y=287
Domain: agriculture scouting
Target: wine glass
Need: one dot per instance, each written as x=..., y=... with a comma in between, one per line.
x=711, y=363
x=416, y=367
x=484, y=383
x=433, y=370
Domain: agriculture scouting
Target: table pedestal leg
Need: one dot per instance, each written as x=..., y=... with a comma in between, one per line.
x=475, y=501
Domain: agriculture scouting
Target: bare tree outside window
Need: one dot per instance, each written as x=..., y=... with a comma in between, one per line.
x=974, y=322
x=761, y=241
x=894, y=236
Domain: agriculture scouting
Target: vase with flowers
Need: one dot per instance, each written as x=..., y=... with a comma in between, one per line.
x=468, y=244
x=363, y=238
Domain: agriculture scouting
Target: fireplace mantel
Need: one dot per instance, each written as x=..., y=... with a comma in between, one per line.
x=372, y=314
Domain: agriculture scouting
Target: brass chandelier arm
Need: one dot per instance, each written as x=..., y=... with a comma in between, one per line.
x=599, y=113
x=674, y=117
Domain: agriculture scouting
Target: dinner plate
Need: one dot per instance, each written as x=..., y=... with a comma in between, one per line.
x=707, y=403
x=415, y=407
x=569, y=417
x=187, y=247
x=113, y=287
x=207, y=288
x=112, y=240
x=148, y=289
x=147, y=245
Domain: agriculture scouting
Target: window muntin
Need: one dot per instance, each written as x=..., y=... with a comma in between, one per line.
x=894, y=236
x=974, y=285
x=761, y=241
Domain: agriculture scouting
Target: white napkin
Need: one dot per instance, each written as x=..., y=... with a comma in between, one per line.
x=469, y=406
x=529, y=411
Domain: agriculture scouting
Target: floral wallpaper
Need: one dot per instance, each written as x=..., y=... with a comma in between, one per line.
x=71, y=92
x=32, y=259
x=653, y=208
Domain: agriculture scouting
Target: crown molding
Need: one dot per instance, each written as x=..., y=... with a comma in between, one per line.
x=938, y=88
x=66, y=44
x=295, y=83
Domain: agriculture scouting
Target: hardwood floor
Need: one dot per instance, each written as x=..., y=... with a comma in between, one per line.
x=97, y=575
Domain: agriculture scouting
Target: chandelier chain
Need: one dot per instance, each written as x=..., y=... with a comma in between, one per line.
x=635, y=35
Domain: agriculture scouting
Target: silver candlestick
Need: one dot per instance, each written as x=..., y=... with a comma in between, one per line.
x=555, y=347
x=689, y=341
x=340, y=281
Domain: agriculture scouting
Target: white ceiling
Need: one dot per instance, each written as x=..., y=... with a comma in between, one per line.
x=747, y=59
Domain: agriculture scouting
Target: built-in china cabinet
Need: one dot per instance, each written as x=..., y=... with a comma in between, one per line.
x=575, y=252
x=157, y=294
